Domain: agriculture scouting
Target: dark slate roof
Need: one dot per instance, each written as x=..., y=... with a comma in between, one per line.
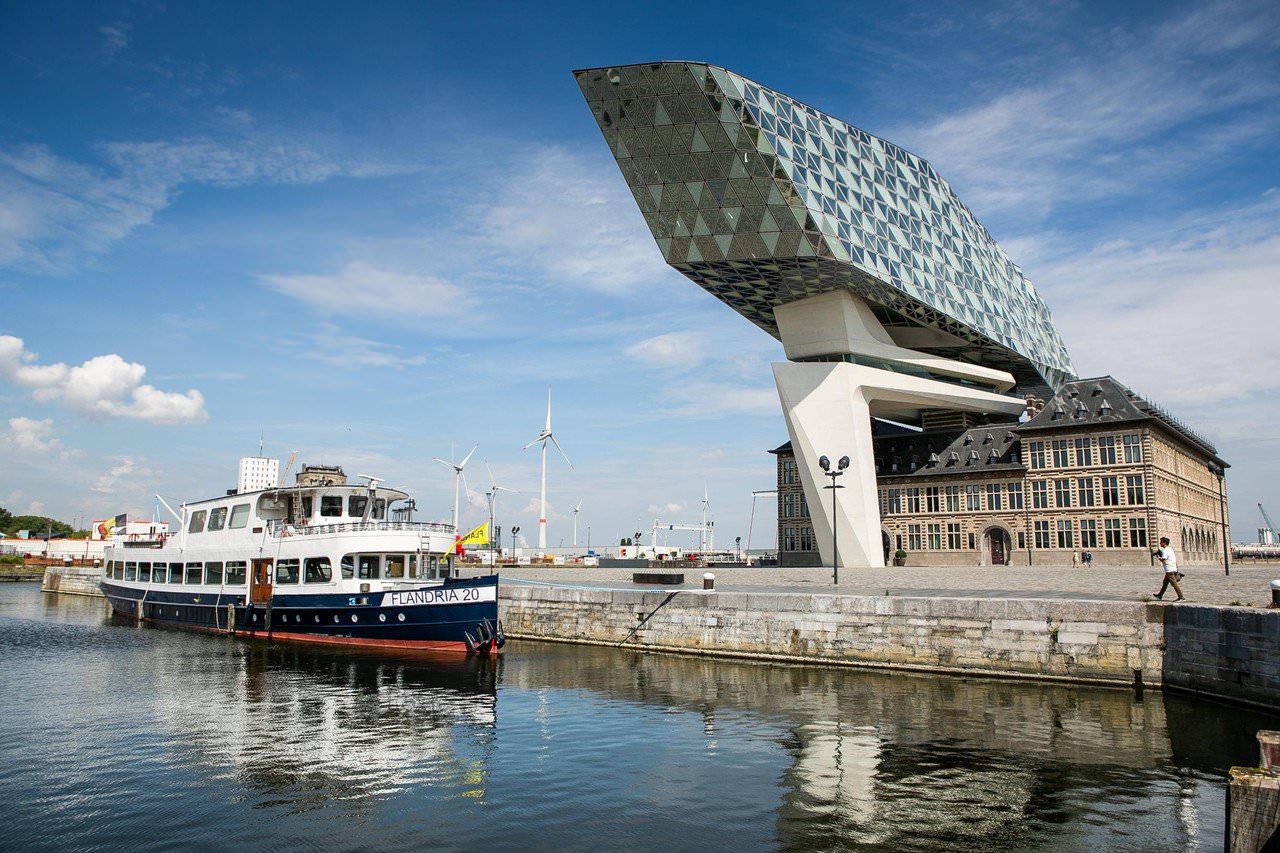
x=993, y=447
x=1101, y=401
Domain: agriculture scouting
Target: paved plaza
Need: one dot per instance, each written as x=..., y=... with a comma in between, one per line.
x=1248, y=585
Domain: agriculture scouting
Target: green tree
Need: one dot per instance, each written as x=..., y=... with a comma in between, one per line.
x=39, y=525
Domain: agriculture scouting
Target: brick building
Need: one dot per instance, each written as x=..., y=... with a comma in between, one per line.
x=1096, y=468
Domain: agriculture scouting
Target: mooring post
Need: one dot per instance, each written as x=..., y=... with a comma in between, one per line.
x=1253, y=800
x=1275, y=593
x=709, y=581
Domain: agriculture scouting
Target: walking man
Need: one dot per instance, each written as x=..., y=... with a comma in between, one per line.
x=1169, y=561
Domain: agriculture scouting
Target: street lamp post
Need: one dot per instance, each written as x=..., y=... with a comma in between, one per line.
x=1217, y=470
x=515, y=531
x=825, y=464
x=637, y=541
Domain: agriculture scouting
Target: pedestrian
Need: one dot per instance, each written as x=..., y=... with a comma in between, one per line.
x=1087, y=557
x=1169, y=564
x=1075, y=560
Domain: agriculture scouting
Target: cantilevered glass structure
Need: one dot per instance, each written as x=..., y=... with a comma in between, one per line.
x=762, y=200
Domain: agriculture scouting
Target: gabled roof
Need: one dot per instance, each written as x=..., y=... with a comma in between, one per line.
x=993, y=447
x=1102, y=401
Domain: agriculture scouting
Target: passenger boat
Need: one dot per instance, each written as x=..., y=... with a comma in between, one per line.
x=320, y=561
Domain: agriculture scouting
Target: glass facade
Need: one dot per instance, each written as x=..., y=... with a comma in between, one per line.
x=762, y=200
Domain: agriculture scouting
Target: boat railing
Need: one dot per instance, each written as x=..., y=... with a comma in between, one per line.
x=281, y=528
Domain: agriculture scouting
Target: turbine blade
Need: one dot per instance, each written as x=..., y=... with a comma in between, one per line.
x=446, y=464
x=492, y=481
x=561, y=449
x=532, y=443
x=548, y=409
x=467, y=458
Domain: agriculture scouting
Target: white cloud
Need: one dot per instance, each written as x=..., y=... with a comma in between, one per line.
x=673, y=349
x=363, y=289
x=106, y=484
x=659, y=509
x=330, y=346
x=103, y=386
x=32, y=436
x=1149, y=108
x=115, y=37
x=55, y=212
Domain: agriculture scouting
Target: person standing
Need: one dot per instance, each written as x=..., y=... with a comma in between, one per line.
x=1169, y=561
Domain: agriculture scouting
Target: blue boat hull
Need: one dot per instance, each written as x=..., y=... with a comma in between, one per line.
x=441, y=617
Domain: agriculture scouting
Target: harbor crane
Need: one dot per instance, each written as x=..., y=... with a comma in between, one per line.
x=705, y=531
x=1268, y=537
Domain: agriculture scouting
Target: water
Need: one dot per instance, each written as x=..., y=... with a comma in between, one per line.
x=117, y=736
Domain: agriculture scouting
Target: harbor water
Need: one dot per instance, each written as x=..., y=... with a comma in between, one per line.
x=117, y=736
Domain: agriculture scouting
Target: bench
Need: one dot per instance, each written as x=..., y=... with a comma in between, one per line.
x=662, y=578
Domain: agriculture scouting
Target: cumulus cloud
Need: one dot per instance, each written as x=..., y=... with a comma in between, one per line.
x=363, y=289
x=104, y=386
x=28, y=435
x=106, y=484
x=673, y=349
x=659, y=509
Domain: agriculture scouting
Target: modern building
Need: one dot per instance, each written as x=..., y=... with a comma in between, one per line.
x=257, y=473
x=890, y=300
x=1097, y=468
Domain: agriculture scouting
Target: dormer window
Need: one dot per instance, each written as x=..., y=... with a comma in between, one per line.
x=1105, y=408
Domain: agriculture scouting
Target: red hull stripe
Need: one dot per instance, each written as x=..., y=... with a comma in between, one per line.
x=419, y=645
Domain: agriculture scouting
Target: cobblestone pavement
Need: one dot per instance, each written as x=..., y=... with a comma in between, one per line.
x=1247, y=585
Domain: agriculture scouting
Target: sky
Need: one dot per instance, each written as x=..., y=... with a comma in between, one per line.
x=376, y=233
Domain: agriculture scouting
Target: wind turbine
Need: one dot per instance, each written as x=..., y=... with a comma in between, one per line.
x=494, y=488
x=576, y=510
x=457, y=481
x=706, y=502
x=543, y=437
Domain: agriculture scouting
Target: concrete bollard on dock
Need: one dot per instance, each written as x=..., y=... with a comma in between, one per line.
x=1275, y=593
x=1253, y=801
x=709, y=581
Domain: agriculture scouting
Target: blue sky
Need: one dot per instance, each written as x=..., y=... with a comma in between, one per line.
x=370, y=231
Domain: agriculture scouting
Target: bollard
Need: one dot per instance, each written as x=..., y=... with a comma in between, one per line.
x=1269, y=748
x=709, y=581
x=1253, y=800
x=1275, y=593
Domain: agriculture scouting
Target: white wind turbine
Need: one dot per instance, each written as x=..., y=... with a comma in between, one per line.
x=706, y=502
x=494, y=488
x=576, y=510
x=457, y=481
x=543, y=437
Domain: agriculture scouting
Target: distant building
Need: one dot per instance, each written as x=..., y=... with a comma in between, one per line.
x=257, y=473
x=1097, y=468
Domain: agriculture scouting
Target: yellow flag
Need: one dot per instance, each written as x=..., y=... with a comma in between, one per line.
x=478, y=536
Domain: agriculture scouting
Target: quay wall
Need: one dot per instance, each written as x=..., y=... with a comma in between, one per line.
x=1230, y=653
x=74, y=580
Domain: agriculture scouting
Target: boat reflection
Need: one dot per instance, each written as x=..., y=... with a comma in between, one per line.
x=310, y=726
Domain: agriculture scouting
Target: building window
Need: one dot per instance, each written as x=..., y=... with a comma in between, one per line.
x=954, y=541
x=1137, y=533
x=1107, y=450
x=788, y=539
x=1015, y=496
x=1132, y=448
x=973, y=498
x=1060, y=459
x=1022, y=539
x=788, y=505
x=931, y=502
x=1062, y=492
x=1137, y=495
x=935, y=537
x=1065, y=539
x=953, y=498
x=1042, y=534
x=1040, y=494
x=806, y=539
x=1088, y=533
x=1111, y=491
x=913, y=537
x=895, y=501
x=973, y=541
x=1084, y=491
x=788, y=471
x=1111, y=533
x=995, y=494
x=1084, y=452
x=1036, y=449
x=913, y=500
x=802, y=506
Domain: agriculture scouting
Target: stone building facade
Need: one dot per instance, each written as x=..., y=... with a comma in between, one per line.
x=1096, y=468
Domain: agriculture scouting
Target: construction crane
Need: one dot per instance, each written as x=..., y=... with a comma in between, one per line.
x=1267, y=535
x=706, y=532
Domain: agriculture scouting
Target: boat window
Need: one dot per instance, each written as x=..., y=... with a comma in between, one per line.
x=318, y=570
x=117, y=569
x=348, y=567
x=356, y=505
x=331, y=506
x=197, y=522
x=370, y=566
x=130, y=571
x=395, y=566
x=286, y=571
x=106, y=570
x=213, y=574
x=217, y=518
x=160, y=573
x=413, y=565
x=239, y=517
x=306, y=508
x=144, y=572
x=194, y=570
x=235, y=570
x=380, y=509
x=175, y=573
